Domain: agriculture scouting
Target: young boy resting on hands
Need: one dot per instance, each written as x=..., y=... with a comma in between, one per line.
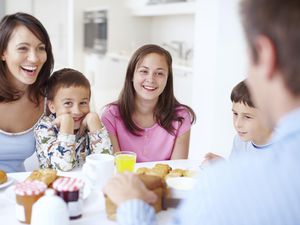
x=252, y=134
x=70, y=131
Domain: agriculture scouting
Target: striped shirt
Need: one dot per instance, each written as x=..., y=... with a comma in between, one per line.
x=259, y=189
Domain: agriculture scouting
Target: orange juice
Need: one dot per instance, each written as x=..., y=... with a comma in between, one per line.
x=125, y=161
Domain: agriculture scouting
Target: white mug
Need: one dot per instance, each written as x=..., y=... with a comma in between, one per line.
x=97, y=169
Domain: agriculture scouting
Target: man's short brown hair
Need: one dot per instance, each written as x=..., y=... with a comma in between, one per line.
x=279, y=20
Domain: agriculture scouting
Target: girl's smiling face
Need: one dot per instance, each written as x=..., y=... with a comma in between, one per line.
x=150, y=77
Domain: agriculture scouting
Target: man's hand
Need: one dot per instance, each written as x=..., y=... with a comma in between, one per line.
x=126, y=186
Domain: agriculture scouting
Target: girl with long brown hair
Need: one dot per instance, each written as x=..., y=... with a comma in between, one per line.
x=147, y=118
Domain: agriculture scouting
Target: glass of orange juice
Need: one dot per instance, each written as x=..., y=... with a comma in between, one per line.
x=125, y=161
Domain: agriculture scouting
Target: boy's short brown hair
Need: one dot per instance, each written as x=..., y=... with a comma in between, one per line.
x=65, y=78
x=240, y=94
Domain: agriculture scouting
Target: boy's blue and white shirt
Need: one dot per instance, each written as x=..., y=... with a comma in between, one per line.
x=239, y=147
x=65, y=151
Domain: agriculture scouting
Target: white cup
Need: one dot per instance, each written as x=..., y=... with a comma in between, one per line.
x=50, y=210
x=97, y=169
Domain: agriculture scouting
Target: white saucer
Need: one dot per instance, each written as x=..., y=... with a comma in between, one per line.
x=9, y=181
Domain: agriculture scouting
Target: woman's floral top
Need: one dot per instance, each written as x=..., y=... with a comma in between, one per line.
x=65, y=151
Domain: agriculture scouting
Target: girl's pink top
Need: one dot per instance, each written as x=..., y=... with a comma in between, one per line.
x=155, y=144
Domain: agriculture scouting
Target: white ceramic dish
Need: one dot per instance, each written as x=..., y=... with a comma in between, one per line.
x=9, y=181
x=180, y=186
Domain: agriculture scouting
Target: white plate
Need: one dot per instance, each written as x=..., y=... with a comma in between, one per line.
x=9, y=181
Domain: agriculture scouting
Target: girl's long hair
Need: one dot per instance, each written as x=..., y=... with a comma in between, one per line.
x=167, y=107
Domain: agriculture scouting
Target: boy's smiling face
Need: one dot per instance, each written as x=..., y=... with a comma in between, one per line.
x=71, y=100
x=248, y=124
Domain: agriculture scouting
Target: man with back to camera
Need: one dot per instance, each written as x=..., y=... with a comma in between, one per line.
x=263, y=189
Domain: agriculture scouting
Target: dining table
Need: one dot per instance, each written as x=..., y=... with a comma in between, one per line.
x=93, y=203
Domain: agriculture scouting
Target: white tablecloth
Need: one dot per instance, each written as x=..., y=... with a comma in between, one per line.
x=93, y=208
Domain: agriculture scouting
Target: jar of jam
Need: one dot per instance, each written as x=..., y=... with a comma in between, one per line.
x=70, y=189
x=27, y=193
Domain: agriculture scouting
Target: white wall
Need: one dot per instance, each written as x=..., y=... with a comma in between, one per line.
x=13, y=6
x=220, y=63
x=2, y=8
x=173, y=28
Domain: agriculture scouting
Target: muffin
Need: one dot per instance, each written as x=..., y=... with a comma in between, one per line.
x=3, y=177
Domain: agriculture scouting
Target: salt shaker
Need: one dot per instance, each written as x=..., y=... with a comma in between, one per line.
x=50, y=210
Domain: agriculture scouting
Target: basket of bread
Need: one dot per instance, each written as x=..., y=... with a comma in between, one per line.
x=179, y=181
x=153, y=183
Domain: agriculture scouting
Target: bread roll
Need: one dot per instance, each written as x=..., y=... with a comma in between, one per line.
x=47, y=176
x=142, y=170
x=154, y=183
x=3, y=177
x=176, y=173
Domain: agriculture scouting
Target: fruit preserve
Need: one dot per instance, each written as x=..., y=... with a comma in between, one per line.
x=70, y=189
x=27, y=193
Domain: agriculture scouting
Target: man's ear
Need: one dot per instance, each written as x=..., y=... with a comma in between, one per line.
x=266, y=55
x=51, y=106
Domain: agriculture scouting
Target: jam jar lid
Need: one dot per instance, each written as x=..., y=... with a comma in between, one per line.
x=30, y=188
x=68, y=184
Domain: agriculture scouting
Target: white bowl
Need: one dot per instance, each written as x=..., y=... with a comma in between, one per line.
x=180, y=186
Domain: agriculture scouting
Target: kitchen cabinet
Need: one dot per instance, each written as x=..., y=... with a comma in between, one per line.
x=179, y=8
x=56, y=20
x=106, y=75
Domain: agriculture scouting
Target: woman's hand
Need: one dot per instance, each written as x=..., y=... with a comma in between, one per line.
x=126, y=186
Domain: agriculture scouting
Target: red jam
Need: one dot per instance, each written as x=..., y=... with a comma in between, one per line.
x=70, y=190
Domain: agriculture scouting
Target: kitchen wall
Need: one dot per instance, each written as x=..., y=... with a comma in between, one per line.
x=216, y=63
x=220, y=63
x=2, y=8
